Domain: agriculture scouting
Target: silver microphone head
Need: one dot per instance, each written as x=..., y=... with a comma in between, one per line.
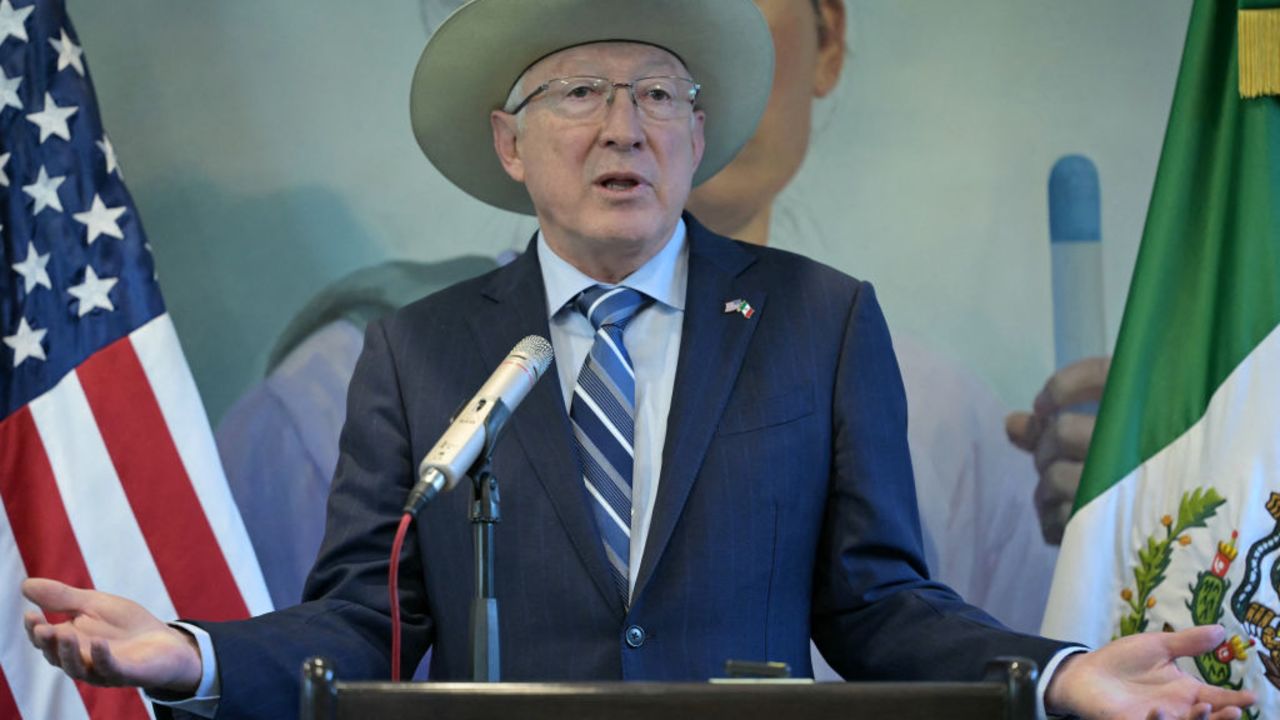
x=537, y=350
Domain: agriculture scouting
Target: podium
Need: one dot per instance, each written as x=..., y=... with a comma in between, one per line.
x=1007, y=693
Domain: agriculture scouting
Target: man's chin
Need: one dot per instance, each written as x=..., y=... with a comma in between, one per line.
x=633, y=226
x=629, y=239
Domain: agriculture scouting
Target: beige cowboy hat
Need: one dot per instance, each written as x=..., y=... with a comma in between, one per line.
x=473, y=59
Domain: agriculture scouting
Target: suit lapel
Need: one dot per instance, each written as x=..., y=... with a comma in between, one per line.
x=516, y=306
x=702, y=387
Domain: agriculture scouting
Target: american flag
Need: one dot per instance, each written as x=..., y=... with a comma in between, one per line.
x=108, y=473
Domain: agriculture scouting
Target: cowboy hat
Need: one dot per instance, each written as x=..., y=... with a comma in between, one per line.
x=471, y=62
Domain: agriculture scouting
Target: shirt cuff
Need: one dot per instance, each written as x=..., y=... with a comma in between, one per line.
x=204, y=702
x=1047, y=675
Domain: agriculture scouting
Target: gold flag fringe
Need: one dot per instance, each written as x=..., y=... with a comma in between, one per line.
x=1259, y=41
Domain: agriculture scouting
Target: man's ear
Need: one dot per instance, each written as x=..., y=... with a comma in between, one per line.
x=506, y=132
x=831, y=46
x=698, y=130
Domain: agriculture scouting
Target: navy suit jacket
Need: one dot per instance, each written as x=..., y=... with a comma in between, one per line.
x=785, y=506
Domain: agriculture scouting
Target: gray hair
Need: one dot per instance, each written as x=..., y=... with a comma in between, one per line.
x=517, y=93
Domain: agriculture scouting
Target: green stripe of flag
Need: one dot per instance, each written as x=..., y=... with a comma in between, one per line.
x=1206, y=287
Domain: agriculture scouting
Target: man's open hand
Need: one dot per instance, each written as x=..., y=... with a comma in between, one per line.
x=1135, y=678
x=109, y=640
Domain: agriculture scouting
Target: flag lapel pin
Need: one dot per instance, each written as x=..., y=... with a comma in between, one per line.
x=740, y=306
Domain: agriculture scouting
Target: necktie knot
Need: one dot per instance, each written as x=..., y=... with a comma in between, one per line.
x=610, y=306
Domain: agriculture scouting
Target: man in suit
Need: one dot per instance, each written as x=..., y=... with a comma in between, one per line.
x=718, y=467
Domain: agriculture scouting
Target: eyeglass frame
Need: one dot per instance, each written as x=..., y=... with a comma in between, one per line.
x=613, y=88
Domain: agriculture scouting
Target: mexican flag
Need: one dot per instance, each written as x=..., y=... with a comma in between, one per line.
x=1177, y=519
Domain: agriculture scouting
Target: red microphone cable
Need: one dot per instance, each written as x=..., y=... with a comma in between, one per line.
x=393, y=587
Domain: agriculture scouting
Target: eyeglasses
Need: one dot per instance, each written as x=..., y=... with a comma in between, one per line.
x=582, y=98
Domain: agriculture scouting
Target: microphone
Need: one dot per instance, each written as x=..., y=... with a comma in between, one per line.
x=478, y=423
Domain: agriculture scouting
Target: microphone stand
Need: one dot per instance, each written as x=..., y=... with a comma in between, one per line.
x=485, y=513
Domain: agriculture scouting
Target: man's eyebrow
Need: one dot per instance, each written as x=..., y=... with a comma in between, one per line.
x=654, y=68
x=646, y=71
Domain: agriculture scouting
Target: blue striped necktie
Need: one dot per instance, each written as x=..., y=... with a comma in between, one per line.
x=603, y=414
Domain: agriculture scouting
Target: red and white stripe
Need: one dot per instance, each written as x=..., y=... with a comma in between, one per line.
x=111, y=480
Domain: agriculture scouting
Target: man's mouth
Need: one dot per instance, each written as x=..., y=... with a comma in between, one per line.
x=620, y=182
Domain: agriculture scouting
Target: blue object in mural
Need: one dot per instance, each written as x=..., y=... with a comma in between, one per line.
x=1075, y=239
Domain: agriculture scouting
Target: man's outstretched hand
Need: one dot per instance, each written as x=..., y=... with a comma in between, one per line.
x=109, y=640
x=1135, y=678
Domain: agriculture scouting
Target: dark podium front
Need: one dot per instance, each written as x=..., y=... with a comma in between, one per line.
x=1008, y=693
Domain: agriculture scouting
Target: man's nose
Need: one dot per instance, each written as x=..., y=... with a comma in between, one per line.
x=623, y=123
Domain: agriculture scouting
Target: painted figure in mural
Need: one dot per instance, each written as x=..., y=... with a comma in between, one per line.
x=985, y=532
x=974, y=489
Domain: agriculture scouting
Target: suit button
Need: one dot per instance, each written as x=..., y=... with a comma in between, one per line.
x=635, y=636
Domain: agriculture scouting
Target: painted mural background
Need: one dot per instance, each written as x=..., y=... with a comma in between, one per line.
x=268, y=148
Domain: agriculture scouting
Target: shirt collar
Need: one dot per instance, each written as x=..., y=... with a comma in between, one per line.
x=664, y=277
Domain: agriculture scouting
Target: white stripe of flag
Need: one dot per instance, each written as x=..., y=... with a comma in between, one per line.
x=96, y=505
x=160, y=353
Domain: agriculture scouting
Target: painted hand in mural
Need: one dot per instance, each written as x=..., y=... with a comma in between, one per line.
x=1058, y=437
